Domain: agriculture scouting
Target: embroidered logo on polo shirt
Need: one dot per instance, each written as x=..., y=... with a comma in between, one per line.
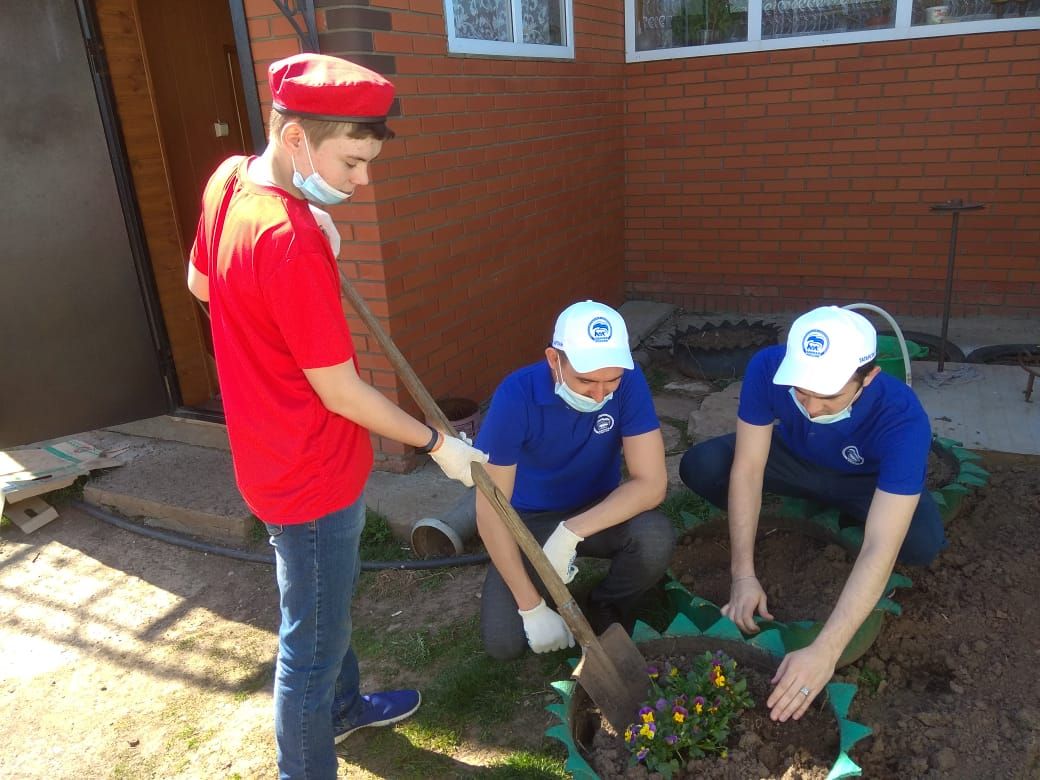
x=600, y=330
x=815, y=343
x=851, y=454
x=603, y=423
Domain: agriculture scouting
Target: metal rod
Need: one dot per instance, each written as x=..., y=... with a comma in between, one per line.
x=949, y=291
x=955, y=207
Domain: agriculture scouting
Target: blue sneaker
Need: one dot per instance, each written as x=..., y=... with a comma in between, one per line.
x=381, y=709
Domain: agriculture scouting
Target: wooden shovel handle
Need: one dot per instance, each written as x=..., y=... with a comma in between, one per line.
x=568, y=610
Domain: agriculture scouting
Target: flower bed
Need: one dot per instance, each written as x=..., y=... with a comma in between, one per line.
x=816, y=745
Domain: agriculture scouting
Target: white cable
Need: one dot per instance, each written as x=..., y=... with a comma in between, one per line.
x=895, y=328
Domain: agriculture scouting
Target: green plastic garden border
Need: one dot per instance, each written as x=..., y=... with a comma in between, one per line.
x=839, y=695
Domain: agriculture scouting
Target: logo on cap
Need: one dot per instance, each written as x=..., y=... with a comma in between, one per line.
x=851, y=454
x=603, y=423
x=815, y=343
x=600, y=330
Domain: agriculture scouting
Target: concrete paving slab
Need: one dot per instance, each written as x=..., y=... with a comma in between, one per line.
x=989, y=413
x=172, y=485
x=694, y=388
x=171, y=428
x=643, y=317
x=673, y=437
x=671, y=464
x=717, y=415
x=675, y=407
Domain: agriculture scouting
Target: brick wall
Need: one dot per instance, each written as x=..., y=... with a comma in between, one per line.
x=773, y=180
x=499, y=202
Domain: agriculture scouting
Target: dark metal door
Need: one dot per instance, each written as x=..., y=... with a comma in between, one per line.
x=78, y=349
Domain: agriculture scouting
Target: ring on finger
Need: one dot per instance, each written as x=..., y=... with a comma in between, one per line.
x=804, y=691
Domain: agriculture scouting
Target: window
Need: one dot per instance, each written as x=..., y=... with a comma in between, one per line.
x=663, y=29
x=517, y=28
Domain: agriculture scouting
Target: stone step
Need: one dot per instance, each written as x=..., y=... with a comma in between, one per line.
x=169, y=427
x=167, y=484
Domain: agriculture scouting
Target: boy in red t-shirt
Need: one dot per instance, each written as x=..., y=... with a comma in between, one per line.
x=298, y=414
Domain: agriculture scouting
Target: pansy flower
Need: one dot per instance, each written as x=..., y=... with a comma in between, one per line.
x=679, y=714
x=642, y=754
x=646, y=715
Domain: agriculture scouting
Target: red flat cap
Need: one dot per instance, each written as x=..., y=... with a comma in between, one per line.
x=317, y=86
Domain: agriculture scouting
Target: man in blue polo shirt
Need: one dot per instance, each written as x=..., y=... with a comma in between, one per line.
x=850, y=437
x=555, y=433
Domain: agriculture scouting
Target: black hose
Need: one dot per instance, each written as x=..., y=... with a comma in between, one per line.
x=229, y=552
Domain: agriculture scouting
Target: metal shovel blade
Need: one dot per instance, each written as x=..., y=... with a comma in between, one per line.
x=600, y=677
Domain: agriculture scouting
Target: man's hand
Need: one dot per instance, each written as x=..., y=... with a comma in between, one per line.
x=560, y=549
x=745, y=597
x=454, y=456
x=545, y=629
x=801, y=676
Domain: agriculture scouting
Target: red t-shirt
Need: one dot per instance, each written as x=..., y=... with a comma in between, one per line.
x=275, y=310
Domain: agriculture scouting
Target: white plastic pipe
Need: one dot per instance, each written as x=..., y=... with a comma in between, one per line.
x=895, y=328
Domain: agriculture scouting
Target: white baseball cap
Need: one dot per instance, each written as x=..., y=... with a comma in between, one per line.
x=824, y=348
x=594, y=336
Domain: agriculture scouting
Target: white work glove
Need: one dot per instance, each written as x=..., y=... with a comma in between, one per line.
x=560, y=550
x=454, y=457
x=545, y=629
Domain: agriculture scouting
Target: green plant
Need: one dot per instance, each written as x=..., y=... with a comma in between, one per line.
x=377, y=540
x=687, y=715
x=686, y=510
x=258, y=532
x=656, y=378
x=869, y=679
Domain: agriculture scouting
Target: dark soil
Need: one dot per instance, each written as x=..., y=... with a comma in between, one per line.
x=950, y=687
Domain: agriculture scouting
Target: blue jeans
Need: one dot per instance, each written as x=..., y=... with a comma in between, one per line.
x=705, y=470
x=316, y=678
x=639, y=550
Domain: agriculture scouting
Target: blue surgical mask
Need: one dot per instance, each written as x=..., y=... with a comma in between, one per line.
x=579, y=403
x=824, y=419
x=314, y=187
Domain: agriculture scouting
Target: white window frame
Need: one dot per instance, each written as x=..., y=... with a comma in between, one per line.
x=901, y=30
x=565, y=51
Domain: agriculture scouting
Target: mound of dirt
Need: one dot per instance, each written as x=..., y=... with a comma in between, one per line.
x=949, y=688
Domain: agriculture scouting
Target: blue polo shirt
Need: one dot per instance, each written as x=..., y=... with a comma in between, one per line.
x=888, y=433
x=564, y=459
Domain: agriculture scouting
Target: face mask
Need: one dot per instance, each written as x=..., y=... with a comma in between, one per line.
x=824, y=419
x=314, y=187
x=579, y=403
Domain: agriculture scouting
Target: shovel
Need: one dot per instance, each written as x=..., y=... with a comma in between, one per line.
x=612, y=671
